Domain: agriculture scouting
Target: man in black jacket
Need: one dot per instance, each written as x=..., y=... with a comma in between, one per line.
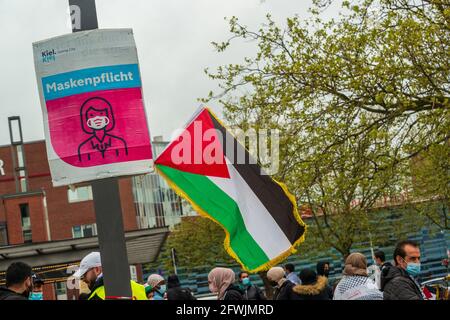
x=251, y=291
x=19, y=283
x=398, y=282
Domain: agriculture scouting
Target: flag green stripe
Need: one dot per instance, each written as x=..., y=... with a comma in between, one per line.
x=212, y=200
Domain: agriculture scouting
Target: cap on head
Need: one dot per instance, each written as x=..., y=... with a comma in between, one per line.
x=90, y=261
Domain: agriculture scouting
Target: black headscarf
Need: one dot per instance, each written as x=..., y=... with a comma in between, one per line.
x=173, y=281
x=321, y=268
x=308, y=276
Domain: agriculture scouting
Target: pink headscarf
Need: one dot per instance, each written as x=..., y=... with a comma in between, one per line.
x=219, y=280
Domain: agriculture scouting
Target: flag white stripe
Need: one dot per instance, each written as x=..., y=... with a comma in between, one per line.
x=258, y=221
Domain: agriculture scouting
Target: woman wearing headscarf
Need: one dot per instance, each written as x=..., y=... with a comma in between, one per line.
x=283, y=287
x=221, y=281
x=355, y=284
x=156, y=287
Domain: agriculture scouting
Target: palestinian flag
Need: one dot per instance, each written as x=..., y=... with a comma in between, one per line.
x=259, y=215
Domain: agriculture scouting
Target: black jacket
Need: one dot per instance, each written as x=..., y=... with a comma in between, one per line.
x=175, y=291
x=253, y=293
x=397, y=284
x=178, y=293
x=233, y=293
x=316, y=291
x=6, y=294
x=386, y=264
x=285, y=292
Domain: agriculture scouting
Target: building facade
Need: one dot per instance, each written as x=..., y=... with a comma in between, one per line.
x=33, y=211
x=156, y=203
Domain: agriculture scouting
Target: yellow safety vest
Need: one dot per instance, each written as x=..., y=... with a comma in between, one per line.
x=137, y=290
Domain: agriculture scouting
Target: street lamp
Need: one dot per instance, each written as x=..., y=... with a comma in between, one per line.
x=15, y=130
x=18, y=153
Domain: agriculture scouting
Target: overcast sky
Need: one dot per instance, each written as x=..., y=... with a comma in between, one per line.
x=173, y=39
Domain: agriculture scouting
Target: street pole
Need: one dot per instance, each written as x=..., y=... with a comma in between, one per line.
x=108, y=210
x=174, y=261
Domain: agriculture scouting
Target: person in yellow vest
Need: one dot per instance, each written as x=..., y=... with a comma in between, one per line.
x=91, y=273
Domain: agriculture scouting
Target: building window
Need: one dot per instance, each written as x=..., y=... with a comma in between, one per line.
x=3, y=234
x=79, y=194
x=26, y=223
x=22, y=173
x=84, y=231
x=61, y=291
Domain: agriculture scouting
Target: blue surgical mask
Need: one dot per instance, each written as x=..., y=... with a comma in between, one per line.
x=413, y=269
x=246, y=281
x=162, y=289
x=36, y=296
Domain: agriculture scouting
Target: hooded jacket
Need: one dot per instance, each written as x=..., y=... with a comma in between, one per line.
x=175, y=292
x=6, y=294
x=314, y=291
x=233, y=293
x=397, y=284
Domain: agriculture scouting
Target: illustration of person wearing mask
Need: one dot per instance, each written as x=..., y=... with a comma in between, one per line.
x=97, y=120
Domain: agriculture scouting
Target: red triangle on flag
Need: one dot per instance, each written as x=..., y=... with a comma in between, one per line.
x=198, y=149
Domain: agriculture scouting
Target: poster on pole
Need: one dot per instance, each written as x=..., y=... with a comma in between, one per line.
x=92, y=104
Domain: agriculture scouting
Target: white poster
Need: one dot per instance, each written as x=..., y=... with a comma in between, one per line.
x=91, y=97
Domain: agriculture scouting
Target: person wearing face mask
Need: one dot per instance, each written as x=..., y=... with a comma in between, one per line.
x=19, y=283
x=91, y=273
x=283, y=287
x=399, y=282
x=97, y=121
x=221, y=282
x=251, y=291
x=158, y=286
x=38, y=288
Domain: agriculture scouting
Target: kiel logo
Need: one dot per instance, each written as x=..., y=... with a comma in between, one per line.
x=48, y=55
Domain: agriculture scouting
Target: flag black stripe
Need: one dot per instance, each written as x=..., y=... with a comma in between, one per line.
x=268, y=192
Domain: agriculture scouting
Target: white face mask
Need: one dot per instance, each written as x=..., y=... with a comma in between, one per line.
x=98, y=122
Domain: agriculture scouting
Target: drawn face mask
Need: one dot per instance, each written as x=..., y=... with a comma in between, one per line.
x=97, y=122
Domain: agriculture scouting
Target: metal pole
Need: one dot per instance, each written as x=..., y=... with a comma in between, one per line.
x=174, y=261
x=111, y=237
x=108, y=211
x=47, y=224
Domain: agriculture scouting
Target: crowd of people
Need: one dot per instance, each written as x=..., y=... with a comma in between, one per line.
x=396, y=281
